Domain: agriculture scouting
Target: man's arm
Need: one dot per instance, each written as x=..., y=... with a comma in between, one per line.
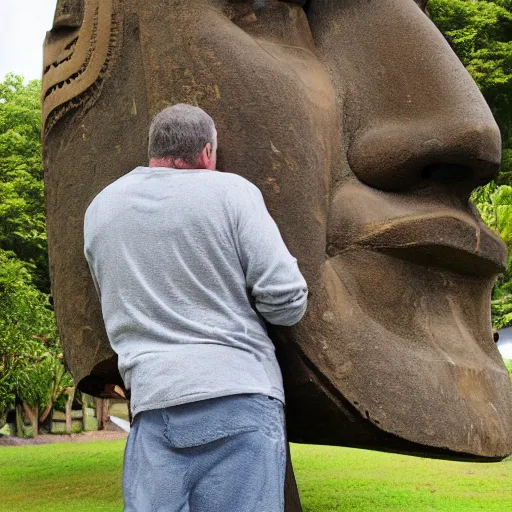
x=278, y=288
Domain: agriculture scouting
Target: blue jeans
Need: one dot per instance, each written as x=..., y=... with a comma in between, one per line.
x=225, y=454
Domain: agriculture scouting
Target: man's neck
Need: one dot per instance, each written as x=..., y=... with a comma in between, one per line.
x=170, y=163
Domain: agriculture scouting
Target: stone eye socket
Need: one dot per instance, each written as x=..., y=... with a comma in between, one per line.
x=68, y=15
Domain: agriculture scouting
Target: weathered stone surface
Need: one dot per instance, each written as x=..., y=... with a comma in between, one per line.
x=76, y=415
x=90, y=423
x=347, y=118
x=58, y=416
x=59, y=427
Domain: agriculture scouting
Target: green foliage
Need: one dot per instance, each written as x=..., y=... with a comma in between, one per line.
x=30, y=352
x=508, y=364
x=480, y=33
x=24, y=313
x=22, y=220
x=495, y=206
x=501, y=308
x=35, y=382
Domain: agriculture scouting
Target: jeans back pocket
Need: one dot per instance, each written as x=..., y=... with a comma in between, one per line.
x=199, y=423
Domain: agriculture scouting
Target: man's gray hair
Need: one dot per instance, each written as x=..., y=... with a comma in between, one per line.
x=181, y=132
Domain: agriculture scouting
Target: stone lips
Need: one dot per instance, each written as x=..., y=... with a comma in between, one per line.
x=396, y=350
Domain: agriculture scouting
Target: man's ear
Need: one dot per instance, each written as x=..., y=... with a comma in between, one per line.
x=205, y=158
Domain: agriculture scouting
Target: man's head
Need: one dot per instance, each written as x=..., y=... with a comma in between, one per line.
x=183, y=137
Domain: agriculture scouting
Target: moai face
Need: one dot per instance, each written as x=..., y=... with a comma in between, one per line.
x=366, y=136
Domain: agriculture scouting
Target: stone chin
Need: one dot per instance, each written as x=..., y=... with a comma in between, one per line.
x=401, y=330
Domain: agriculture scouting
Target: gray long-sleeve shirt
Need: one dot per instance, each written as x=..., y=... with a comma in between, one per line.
x=177, y=257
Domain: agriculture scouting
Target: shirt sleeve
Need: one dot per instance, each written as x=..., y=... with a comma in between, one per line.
x=272, y=275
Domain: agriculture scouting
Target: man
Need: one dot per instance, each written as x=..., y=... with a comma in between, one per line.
x=187, y=261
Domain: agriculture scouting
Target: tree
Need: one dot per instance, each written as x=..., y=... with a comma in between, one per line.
x=24, y=314
x=30, y=353
x=42, y=381
x=22, y=220
x=480, y=33
x=495, y=206
x=31, y=366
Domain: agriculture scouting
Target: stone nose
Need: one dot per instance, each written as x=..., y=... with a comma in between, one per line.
x=428, y=123
x=412, y=115
x=463, y=151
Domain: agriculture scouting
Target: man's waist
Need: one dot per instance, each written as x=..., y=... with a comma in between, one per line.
x=182, y=372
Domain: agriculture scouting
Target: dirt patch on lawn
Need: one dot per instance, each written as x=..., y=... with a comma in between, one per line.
x=84, y=437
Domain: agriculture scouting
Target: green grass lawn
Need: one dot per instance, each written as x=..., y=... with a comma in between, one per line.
x=342, y=479
x=87, y=478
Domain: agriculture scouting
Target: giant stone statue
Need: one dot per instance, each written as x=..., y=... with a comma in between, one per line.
x=366, y=136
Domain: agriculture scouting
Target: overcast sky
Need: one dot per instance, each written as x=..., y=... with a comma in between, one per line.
x=23, y=25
